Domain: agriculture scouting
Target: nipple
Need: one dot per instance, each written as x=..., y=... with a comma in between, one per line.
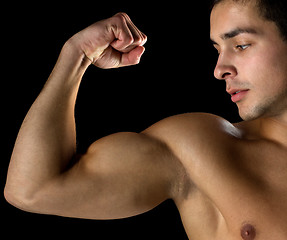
x=248, y=232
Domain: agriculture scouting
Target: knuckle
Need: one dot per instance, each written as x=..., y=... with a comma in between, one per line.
x=130, y=40
x=144, y=37
x=130, y=34
x=140, y=39
x=137, y=40
x=121, y=16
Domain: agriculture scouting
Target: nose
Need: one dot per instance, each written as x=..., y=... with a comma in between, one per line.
x=224, y=68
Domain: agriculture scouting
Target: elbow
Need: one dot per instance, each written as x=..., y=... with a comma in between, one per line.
x=10, y=198
x=18, y=200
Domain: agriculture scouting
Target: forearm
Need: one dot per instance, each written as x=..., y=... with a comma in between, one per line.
x=47, y=139
x=39, y=178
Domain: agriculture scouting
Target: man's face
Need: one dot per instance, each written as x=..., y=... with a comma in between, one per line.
x=252, y=59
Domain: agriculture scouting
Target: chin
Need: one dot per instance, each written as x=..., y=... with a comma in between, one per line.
x=247, y=117
x=263, y=107
x=251, y=112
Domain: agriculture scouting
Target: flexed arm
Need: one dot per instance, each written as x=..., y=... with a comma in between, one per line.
x=47, y=139
x=121, y=175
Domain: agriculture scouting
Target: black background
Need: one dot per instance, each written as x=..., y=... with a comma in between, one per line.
x=175, y=76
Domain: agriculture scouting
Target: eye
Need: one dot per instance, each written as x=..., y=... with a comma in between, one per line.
x=242, y=47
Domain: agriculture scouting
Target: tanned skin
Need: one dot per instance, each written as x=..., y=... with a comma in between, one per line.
x=228, y=181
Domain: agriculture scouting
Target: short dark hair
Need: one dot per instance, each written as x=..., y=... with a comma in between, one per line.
x=271, y=10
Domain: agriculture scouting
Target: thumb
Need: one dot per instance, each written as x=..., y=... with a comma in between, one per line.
x=133, y=57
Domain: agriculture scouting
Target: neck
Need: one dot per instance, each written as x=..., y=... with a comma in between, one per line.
x=269, y=128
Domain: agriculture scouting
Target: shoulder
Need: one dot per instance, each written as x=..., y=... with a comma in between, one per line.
x=192, y=119
x=192, y=128
x=198, y=140
x=201, y=143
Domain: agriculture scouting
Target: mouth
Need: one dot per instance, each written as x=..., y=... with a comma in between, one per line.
x=237, y=95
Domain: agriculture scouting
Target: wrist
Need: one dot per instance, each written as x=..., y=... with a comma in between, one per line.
x=74, y=57
x=71, y=65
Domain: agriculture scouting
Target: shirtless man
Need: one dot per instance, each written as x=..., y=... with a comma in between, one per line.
x=229, y=181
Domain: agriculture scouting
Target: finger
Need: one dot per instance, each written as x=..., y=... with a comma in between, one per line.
x=110, y=58
x=123, y=35
x=139, y=37
x=133, y=57
x=127, y=34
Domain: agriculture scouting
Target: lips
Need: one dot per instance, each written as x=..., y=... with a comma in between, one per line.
x=232, y=94
x=234, y=91
x=237, y=95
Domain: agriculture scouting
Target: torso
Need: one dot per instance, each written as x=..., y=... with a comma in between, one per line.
x=239, y=184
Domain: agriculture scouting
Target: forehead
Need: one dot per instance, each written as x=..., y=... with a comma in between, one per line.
x=228, y=15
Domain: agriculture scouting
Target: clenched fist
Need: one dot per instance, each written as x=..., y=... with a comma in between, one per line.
x=111, y=43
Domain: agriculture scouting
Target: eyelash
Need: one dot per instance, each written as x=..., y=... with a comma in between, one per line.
x=238, y=47
x=242, y=47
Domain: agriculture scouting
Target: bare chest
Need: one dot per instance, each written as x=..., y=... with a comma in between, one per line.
x=260, y=207
x=255, y=215
x=246, y=214
x=244, y=197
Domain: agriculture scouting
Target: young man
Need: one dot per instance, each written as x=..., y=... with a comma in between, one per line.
x=229, y=181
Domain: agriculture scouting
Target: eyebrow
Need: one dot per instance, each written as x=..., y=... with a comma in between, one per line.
x=235, y=32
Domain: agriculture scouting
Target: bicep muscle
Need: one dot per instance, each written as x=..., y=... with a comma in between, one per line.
x=121, y=175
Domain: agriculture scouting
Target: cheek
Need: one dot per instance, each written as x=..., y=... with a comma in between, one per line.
x=268, y=72
x=275, y=75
